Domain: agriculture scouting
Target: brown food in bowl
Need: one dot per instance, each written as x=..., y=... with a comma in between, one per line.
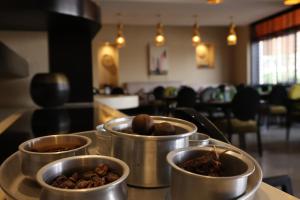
x=142, y=124
x=208, y=164
x=100, y=176
x=55, y=148
x=215, y=164
x=163, y=128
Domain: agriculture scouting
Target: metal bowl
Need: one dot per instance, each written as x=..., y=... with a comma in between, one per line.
x=199, y=139
x=112, y=191
x=145, y=155
x=191, y=186
x=32, y=161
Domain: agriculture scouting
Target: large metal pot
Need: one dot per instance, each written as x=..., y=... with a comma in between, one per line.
x=116, y=190
x=191, y=186
x=145, y=155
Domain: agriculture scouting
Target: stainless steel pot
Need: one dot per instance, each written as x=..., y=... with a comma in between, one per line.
x=32, y=161
x=145, y=155
x=191, y=186
x=116, y=190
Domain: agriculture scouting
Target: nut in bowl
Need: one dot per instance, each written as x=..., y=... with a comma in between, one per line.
x=37, y=152
x=93, y=177
x=210, y=173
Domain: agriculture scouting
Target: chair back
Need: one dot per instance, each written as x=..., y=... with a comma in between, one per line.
x=207, y=94
x=117, y=90
x=159, y=92
x=186, y=97
x=278, y=95
x=245, y=103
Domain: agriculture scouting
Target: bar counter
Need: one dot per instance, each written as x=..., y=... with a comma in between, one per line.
x=78, y=118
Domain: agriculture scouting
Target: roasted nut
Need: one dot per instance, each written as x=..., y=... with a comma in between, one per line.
x=142, y=124
x=163, y=128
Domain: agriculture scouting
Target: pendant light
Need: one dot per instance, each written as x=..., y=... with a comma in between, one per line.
x=196, y=39
x=232, y=37
x=214, y=1
x=159, y=37
x=120, y=39
x=291, y=2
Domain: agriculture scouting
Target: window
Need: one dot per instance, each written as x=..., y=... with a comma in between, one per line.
x=278, y=59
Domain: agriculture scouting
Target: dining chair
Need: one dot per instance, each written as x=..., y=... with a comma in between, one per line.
x=277, y=105
x=186, y=97
x=117, y=90
x=158, y=104
x=244, y=118
x=293, y=108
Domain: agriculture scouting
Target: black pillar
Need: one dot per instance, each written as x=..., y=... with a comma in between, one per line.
x=70, y=52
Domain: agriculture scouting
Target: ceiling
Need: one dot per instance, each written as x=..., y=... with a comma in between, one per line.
x=181, y=12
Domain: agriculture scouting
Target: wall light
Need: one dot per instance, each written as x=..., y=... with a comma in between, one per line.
x=232, y=37
x=214, y=1
x=159, y=39
x=196, y=39
x=291, y=2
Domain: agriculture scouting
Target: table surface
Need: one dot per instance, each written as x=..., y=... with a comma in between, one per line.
x=265, y=192
x=102, y=113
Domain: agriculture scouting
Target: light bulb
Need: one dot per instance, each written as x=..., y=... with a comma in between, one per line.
x=120, y=41
x=196, y=40
x=159, y=40
x=231, y=39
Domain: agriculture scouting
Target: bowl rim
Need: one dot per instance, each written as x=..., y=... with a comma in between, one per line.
x=207, y=137
x=40, y=180
x=24, y=144
x=234, y=152
x=106, y=127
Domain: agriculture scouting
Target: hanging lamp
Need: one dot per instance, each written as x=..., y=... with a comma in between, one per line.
x=196, y=39
x=232, y=37
x=214, y=1
x=291, y=2
x=120, y=40
x=159, y=39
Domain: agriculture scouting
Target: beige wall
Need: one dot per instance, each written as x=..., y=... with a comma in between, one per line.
x=33, y=47
x=241, y=59
x=133, y=58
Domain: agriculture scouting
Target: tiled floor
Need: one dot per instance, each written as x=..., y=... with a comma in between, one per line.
x=279, y=156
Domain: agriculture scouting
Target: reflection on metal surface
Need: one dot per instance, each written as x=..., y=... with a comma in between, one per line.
x=7, y=122
x=105, y=113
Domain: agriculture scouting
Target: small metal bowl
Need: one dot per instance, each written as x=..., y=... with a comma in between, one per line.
x=199, y=139
x=32, y=161
x=112, y=191
x=191, y=186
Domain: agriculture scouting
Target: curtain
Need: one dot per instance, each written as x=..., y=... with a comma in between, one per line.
x=289, y=20
x=277, y=60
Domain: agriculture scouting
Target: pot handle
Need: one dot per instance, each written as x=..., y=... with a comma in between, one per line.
x=104, y=140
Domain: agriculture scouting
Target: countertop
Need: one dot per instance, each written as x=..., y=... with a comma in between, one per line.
x=100, y=114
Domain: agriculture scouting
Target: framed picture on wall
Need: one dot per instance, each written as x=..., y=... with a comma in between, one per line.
x=205, y=56
x=158, y=60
